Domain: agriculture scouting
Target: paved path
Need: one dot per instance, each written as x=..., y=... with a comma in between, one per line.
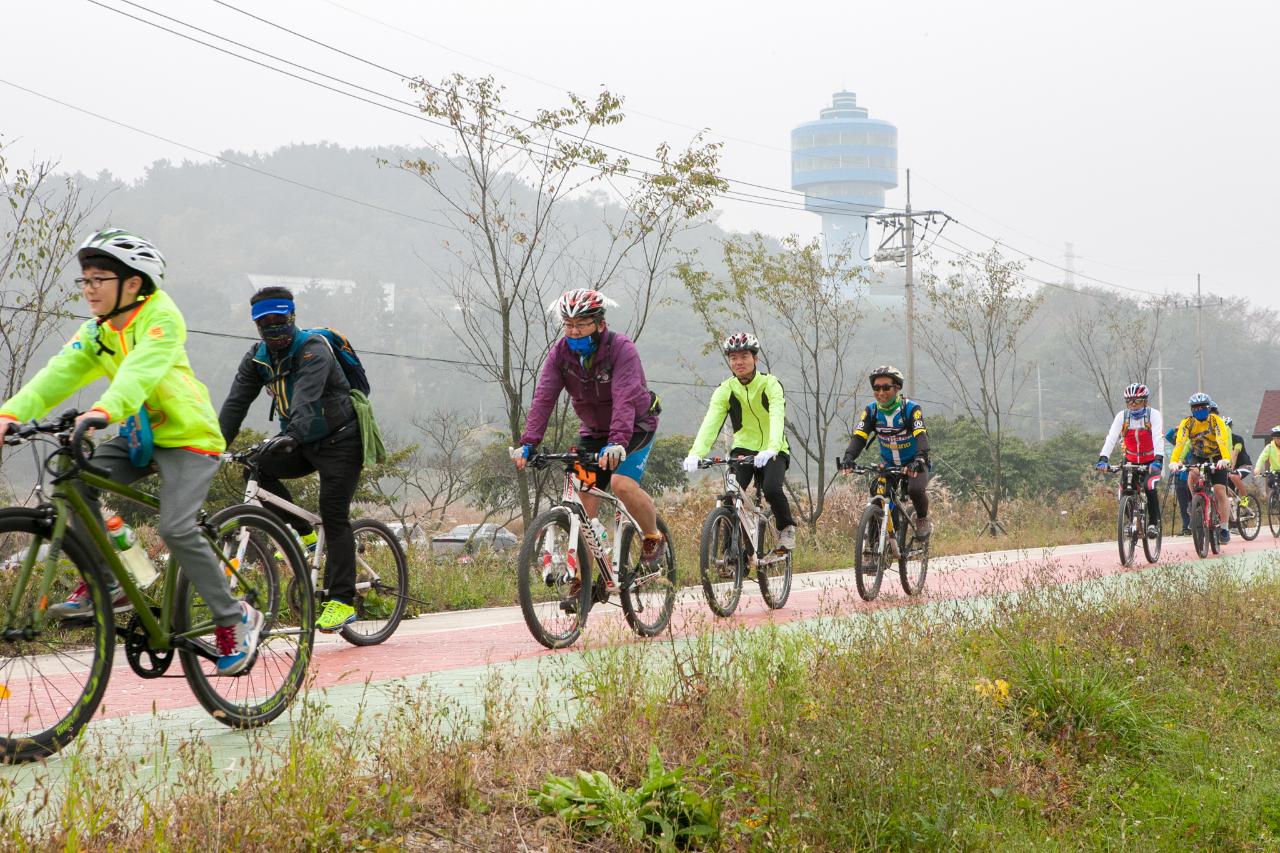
x=453, y=654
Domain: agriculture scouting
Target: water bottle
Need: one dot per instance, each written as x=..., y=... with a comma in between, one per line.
x=132, y=554
x=601, y=534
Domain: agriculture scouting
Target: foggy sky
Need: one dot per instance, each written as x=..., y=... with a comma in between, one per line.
x=1144, y=133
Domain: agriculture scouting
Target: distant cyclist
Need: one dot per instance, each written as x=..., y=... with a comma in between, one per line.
x=1180, y=490
x=1204, y=437
x=1269, y=458
x=1142, y=430
x=898, y=423
x=601, y=370
x=754, y=404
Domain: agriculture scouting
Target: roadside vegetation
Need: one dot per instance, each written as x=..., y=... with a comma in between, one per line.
x=1137, y=713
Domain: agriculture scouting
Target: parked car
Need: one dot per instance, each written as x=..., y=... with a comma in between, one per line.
x=469, y=538
x=414, y=536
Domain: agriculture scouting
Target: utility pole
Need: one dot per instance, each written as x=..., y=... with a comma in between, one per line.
x=1160, y=369
x=1039, y=402
x=909, y=238
x=1199, y=337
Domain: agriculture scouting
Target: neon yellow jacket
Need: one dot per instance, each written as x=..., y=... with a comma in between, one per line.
x=756, y=410
x=146, y=362
x=1268, y=459
x=1208, y=439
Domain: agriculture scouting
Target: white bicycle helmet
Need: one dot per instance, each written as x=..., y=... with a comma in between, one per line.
x=583, y=302
x=741, y=342
x=135, y=252
x=1136, y=391
x=890, y=371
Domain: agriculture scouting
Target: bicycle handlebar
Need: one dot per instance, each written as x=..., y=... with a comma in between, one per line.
x=69, y=434
x=585, y=458
x=869, y=469
x=712, y=461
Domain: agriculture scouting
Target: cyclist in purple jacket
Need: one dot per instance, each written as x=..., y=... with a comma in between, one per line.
x=619, y=414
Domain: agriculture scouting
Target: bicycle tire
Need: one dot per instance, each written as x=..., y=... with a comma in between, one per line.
x=1273, y=513
x=1152, y=545
x=374, y=623
x=1198, y=532
x=19, y=526
x=868, y=530
x=1215, y=522
x=263, y=691
x=531, y=586
x=654, y=591
x=773, y=565
x=912, y=578
x=1248, y=518
x=1125, y=522
x=717, y=546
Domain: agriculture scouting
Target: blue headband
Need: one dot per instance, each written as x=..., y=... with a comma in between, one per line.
x=271, y=306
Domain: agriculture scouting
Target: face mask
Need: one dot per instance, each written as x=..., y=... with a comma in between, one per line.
x=582, y=347
x=1138, y=413
x=278, y=336
x=1200, y=414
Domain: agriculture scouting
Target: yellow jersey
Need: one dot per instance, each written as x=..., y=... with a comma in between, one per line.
x=1208, y=439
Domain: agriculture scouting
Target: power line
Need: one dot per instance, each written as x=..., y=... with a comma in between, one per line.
x=837, y=205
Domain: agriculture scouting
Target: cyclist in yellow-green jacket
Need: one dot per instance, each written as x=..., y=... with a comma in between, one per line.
x=136, y=340
x=753, y=402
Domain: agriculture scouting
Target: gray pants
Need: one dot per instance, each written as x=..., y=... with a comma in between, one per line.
x=184, y=484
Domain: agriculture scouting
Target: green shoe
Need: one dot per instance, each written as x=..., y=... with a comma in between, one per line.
x=334, y=616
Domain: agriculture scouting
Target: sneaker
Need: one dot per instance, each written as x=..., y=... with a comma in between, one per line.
x=652, y=551
x=238, y=643
x=78, y=605
x=1224, y=535
x=924, y=528
x=787, y=538
x=1153, y=532
x=334, y=616
x=1186, y=531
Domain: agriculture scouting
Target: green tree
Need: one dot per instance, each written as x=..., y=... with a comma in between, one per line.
x=663, y=469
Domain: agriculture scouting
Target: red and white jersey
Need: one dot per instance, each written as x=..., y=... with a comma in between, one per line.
x=1143, y=435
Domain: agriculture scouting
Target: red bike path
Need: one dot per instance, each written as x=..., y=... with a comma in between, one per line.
x=439, y=642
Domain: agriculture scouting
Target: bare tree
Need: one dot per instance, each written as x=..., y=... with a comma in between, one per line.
x=45, y=216
x=1117, y=344
x=802, y=297
x=503, y=181
x=973, y=330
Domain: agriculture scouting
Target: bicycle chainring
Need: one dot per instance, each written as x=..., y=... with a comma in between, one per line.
x=143, y=660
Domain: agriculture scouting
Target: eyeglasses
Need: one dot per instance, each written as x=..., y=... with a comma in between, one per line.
x=95, y=283
x=579, y=325
x=883, y=387
x=1137, y=401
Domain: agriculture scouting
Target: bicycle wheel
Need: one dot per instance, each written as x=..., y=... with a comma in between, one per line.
x=648, y=595
x=1273, y=512
x=382, y=582
x=1248, y=517
x=250, y=538
x=773, y=565
x=1199, y=535
x=868, y=565
x=1126, y=526
x=554, y=581
x=913, y=556
x=52, y=677
x=721, y=561
x=1214, y=521
x=1151, y=545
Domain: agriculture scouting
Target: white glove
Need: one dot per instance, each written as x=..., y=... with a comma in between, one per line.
x=690, y=464
x=763, y=457
x=1175, y=467
x=612, y=456
x=1222, y=464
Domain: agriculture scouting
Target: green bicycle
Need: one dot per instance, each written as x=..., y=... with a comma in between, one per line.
x=53, y=673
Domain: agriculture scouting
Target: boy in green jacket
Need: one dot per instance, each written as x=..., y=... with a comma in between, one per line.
x=137, y=340
x=754, y=404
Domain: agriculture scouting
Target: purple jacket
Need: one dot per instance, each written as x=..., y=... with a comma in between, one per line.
x=609, y=395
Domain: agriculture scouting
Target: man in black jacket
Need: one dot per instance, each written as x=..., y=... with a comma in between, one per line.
x=318, y=432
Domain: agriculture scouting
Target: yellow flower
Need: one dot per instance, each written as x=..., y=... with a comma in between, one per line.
x=997, y=691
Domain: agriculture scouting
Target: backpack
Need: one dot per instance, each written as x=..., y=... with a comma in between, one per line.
x=347, y=358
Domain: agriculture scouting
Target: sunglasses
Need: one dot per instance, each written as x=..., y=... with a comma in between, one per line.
x=883, y=387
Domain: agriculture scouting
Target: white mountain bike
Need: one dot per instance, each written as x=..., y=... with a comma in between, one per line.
x=382, y=569
x=739, y=535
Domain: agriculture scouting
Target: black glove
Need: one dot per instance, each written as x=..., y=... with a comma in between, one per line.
x=920, y=464
x=847, y=462
x=280, y=444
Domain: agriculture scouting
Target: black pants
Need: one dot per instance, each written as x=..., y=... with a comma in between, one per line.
x=1183, y=493
x=771, y=479
x=339, y=460
x=917, y=490
x=1140, y=480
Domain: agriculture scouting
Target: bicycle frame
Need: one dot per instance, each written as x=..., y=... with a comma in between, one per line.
x=745, y=506
x=569, y=498
x=890, y=500
x=65, y=503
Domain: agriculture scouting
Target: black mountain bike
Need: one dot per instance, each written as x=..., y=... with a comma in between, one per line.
x=1131, y=520
x=887, y=533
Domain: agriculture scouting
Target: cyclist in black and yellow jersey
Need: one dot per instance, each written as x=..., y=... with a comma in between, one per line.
x=1204, y=437
x=753, y=402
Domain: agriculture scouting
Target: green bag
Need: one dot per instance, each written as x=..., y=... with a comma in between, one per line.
x=375, y=451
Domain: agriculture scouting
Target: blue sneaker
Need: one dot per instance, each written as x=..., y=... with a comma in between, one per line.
x=1224, y=535
x=237, y=643
x=78, y=605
